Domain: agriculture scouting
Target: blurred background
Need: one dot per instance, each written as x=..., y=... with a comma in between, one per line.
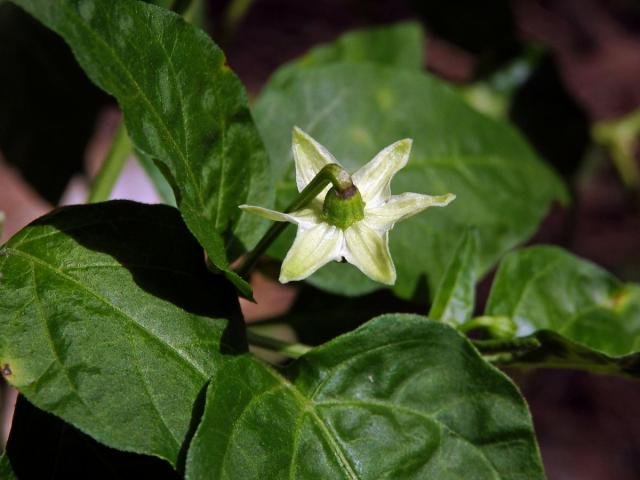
x=565, y=72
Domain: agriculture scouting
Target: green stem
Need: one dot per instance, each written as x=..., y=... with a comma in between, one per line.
x=506, y=351
x=620, y=137
x=332, y=173
x=499, y=327
x=293, y=350
x=112, y=166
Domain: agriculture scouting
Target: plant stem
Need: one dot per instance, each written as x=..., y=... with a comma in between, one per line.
x=620, y=137
x=293, y=350
x=104, y=182
x=332, y=173
x=499, y=327
x=506, y=351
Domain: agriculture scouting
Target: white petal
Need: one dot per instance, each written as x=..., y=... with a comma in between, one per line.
x=312, y=248
x=309, y=156
x=374, y=179
x=403, y=206
x=305, y=217
x=369, y=251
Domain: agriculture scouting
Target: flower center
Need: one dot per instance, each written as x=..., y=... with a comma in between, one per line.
x=344, y=207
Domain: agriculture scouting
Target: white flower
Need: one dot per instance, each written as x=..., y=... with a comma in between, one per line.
x=364, y=243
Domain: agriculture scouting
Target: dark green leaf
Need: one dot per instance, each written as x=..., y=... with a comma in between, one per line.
x=502, y=188
x=6, y=470
x=401, y=397
x=111, y=321
x=400, y=45
x=579, y=315
x=455, y=298
x=43, y=446
x=157, y=178
x=183, y=106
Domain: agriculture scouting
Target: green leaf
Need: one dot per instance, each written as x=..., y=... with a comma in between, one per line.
x=355, y=110
x=578, y=315
x=454, y=300
x=182, y=105
x=160, y=183
x=6, y=470
x=111, y=321
x=400, y=45
x=43, y=446
x=401, y=397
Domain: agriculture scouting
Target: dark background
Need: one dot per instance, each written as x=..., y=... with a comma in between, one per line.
x=588, y=426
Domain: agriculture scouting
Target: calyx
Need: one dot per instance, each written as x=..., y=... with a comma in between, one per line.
x=343, y=207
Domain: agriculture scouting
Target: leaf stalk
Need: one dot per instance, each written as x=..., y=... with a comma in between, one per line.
x=293, y=350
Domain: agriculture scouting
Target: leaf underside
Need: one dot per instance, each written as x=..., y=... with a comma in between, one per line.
x=582, y=316
x=41, y=445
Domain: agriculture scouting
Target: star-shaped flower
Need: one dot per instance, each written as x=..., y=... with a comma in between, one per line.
x=362, y=240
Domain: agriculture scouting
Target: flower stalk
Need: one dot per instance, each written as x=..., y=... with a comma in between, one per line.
x=350, y=221
x=331, y=174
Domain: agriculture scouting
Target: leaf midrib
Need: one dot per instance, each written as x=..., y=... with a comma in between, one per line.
x=184, y=360
x=401, y=408
x=73, y=15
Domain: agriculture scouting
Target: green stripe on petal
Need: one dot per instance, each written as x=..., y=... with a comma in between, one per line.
x=312, y=248
x=374, y=179
x=304, y=217
x=369, y=251
x=403, y=206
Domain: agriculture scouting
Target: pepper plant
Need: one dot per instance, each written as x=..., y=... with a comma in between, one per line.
x=120, y=323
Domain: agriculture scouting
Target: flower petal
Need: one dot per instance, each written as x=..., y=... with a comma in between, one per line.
x=305, y=217
x=374, y=179
x=312, y=248
x=369, y=251
x=403, y=206
x=309, y=156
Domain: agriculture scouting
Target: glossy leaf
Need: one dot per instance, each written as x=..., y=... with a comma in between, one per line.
x=502, y=188
x=6, y=470
x=576, y=314
x=182, y=105
x=400, y=45
x=401, y=397
x=455, y=298
x=154, y=173
x=111, y=321
x=43, y=446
